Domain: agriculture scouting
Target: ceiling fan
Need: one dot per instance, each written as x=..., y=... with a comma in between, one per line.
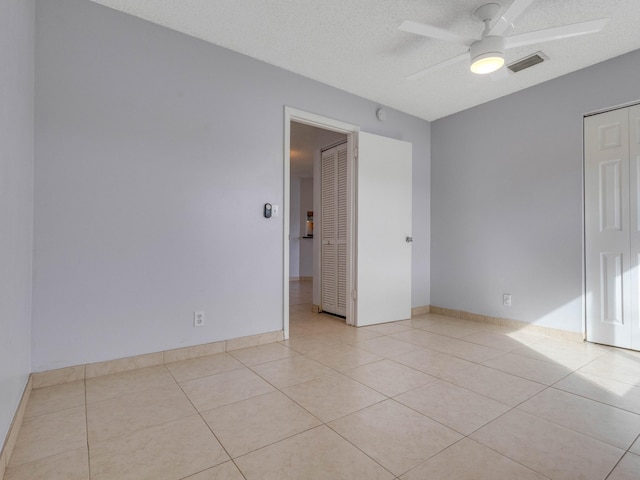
x=487, y=52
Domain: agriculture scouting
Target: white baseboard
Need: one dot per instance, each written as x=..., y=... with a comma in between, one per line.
x=90, y=370
x=510, y=323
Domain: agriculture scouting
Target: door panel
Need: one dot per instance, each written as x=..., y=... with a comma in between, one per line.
x=610, y=195
x=383, y=225
x=611, y=288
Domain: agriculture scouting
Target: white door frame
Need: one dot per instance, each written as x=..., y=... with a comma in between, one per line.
x=300, y=116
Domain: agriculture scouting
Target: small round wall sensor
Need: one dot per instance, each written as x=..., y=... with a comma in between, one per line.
x=381, y=114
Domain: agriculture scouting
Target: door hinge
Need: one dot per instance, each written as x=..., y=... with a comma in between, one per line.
x=354, y=294
x=355, y=152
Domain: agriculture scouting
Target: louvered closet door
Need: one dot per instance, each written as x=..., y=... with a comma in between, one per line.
x=334, y=230
x=612, y=237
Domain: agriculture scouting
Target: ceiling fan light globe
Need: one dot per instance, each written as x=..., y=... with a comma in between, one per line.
x=487, y=55
x=487, y=63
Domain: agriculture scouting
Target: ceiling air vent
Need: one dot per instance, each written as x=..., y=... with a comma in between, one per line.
x=527, y=62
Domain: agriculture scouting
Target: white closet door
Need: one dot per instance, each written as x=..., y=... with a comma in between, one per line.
x=383, y=225
x=634, y=194
x=607, y=229
x=333, y=277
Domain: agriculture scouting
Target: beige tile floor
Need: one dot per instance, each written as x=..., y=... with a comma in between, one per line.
x=430, y=398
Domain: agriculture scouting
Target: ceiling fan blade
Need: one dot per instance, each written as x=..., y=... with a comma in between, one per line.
x=435, y=32
x=439, y=66
x=503, y=24
x=555, y=33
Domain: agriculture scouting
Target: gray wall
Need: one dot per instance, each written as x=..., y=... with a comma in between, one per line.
x=294, y=227
x=507, y=197
x=16, y=203
x=306, y=245
x=300, y=249
x=154, y=155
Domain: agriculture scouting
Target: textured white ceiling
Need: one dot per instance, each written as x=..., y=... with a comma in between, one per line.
x=355, y=45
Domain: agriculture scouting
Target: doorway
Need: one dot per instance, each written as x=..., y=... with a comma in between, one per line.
x=308, y=254
x=307, y=139
x=379, y=175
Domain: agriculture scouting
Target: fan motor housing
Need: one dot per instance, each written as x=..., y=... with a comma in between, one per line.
x=487, y=55
x=488, y=45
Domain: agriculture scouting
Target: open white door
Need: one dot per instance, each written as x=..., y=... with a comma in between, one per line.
x=383, y=230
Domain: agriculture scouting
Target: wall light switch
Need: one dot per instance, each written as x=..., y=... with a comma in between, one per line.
x=275, y=210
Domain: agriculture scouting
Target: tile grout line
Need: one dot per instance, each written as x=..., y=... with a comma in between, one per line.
x=322, y=422
x=589, y=398
x=358, y=448
x=553, y=423
x=39, y=459
x=548, y=387
x=496, y=418
x=388, y=398
x=326, y=424
x=620, y=460
x=208, y=427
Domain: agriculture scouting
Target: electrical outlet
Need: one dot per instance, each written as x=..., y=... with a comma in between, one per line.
x=198, y=319
x=506, y=299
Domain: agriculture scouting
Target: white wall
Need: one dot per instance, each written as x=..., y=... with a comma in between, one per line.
x=16, y=202
x=155, y=153
x=507, y=197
